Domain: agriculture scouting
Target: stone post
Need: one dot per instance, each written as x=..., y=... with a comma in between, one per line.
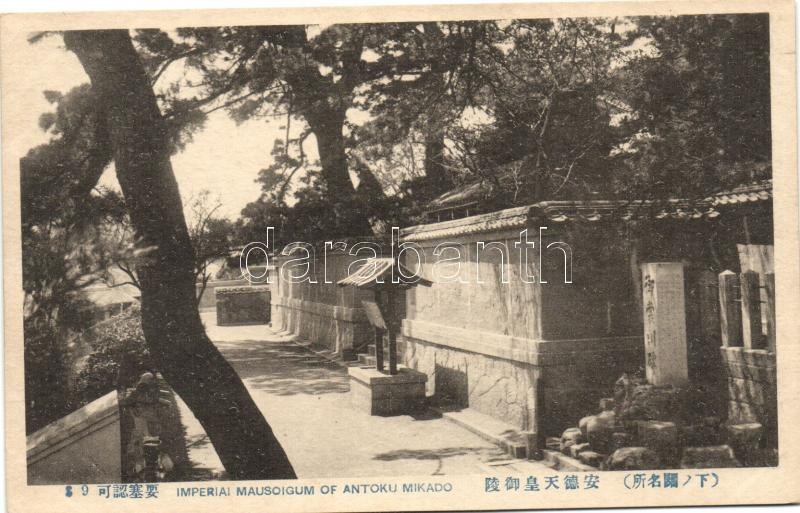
x=664, y=323
x=752, y=335
x=769, y=285
x=730, y=311
x=709, y=309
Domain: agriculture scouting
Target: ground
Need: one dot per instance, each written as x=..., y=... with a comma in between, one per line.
x=305, y=398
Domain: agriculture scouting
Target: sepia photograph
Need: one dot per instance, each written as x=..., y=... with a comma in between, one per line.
x=287, y=260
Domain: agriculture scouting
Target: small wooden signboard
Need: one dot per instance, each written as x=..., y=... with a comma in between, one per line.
x=374, y=313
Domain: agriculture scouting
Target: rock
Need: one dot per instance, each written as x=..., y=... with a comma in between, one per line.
x=619, y=427
x=571, y=436
x=576, y=449
x=591, y=458
x=749, y=433
x=623, y=389
x=607, y=404
x=631, y=427
x=620, y=440
x=698, y=435
x=582, y=423
x=650, y=402
x=662, y=437
x=533, y=451
x=715, y=456
x=552, y=443
x=599, y=430
x=633, y=458
x=745, y=439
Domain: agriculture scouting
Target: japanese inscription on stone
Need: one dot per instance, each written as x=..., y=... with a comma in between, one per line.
x=664, y=323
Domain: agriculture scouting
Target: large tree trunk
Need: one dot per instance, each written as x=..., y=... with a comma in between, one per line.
x=327, y=127
x=327, y=124
x=175, y=335
x=435, y=170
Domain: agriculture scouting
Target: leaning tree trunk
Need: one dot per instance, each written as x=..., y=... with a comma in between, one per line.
x=170, y=320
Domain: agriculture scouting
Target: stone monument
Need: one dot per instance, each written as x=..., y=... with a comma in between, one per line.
x=664, y=324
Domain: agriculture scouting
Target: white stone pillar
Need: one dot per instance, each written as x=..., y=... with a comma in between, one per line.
x=664, y=324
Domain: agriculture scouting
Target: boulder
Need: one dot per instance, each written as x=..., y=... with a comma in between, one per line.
x=623, y=390
x=599, y=431
x=591, y=458
x=650, y=402
x=715, y=456
x=576, y=449
x=569, y=437
x=699, y=435
x=633, y=458
x=552, y=443
x=745, y=440
x=662, y=437
x=620, y=440
x=748, y=434
x=631, y=427
x=606, y=404
x=582, y=423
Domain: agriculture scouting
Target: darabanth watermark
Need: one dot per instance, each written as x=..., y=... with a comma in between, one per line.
x=448, y=267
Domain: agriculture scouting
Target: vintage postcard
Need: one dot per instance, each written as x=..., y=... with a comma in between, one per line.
x=483, y=257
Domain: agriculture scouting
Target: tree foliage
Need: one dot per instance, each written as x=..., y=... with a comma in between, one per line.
x=66, y=222
x=534, y=109
x=702, y=104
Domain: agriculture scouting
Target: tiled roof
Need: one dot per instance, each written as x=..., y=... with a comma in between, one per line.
x=591, y=211
x=749, y=193
x=106, y=296
x=501, y=220
x=378, y=271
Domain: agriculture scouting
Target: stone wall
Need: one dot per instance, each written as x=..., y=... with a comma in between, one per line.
x=83, y=447
x=752, y=389
x=242, y=305
x=529, y=354
x=502, y=376
x=497, y=339
x=103, y=441
x=209, y=300
x=329, y=316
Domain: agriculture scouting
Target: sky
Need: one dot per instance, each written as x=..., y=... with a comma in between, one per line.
x=224, y=157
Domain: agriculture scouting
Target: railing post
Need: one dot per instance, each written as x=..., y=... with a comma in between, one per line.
x=769, y=285
x=709, y=307
x=752, y=336
x=730, y=313
x=392, y=325
x=379, y=348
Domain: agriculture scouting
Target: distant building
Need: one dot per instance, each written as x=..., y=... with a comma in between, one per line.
x=110, y=296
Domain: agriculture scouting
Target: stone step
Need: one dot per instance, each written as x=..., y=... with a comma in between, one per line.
x=371, y=350
x=563, y=463
x=511, y=439
x=365, y=359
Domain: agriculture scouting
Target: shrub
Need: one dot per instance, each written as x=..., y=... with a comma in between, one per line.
x=118, y=358
x=47, y=394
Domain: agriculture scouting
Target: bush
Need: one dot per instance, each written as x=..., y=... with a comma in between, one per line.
x=47, y=394
x=118, y=358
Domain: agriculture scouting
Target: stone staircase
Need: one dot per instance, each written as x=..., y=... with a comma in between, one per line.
x=369, y=359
